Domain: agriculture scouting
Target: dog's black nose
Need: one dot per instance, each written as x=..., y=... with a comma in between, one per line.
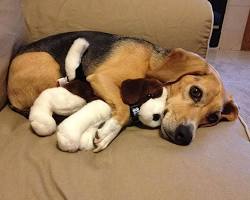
x=183, y=134
x=156, y=117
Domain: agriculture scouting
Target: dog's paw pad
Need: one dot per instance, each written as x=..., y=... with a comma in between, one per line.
x=97, y=140
x=97, y=135
x=101, y=144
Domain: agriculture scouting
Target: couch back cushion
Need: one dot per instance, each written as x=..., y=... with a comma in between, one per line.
x=169, y=23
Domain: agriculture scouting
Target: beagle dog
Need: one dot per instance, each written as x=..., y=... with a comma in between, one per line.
x=196, y=95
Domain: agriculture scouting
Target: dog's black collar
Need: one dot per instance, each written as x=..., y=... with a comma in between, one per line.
x=134, y=112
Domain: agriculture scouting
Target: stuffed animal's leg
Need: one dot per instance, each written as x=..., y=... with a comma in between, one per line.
x=53, y=100
x=110, y=93
x=64, y=102
x=69, y=132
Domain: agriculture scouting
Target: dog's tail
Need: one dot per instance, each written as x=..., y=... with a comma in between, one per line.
x=74, y=57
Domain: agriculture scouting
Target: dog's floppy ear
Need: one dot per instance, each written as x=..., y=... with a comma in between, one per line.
x=138, y=91
x=177, y=64
x=230, y=110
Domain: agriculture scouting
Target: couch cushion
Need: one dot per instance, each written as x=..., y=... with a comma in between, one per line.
x=172, y=23
x=11, y=34
x=137, y=165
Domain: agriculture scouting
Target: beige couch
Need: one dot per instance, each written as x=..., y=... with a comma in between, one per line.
x=138, y=164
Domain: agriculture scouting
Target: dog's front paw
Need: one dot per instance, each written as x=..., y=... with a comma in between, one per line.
x=106, y=134
x=67, y=144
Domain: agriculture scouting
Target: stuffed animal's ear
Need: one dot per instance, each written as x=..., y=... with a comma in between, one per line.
x=138, y=91
x=177, y=64
x=82, y=89
x=153, y=88
x=131, y=90
x=230, y=110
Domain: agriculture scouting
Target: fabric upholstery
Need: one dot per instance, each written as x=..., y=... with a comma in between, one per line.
x=167, y=23
x=11, y=35
x=170, y=24
x=137, y=165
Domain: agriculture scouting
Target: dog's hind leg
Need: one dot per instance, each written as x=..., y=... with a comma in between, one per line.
x=30, y=74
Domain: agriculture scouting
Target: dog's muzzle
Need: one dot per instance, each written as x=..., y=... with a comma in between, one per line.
x=182, y=135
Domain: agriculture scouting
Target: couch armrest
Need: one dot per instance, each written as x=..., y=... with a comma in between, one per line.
x=11, y=34
x=169, y=23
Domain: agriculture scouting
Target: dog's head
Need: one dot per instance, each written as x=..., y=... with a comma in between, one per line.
x=196, y=96
x=146, y=95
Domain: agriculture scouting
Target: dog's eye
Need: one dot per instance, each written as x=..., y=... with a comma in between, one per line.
x=213, y=118
x=195, y=93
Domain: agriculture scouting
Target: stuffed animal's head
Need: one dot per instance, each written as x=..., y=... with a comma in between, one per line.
x=148, y=97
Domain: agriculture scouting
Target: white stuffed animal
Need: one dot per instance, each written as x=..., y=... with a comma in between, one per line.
x=147, y=98
x=53, y=100
x=79, y=130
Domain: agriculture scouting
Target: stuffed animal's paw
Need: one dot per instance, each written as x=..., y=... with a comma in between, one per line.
x=66, y=143
x=87, y=139
x=43, y=126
